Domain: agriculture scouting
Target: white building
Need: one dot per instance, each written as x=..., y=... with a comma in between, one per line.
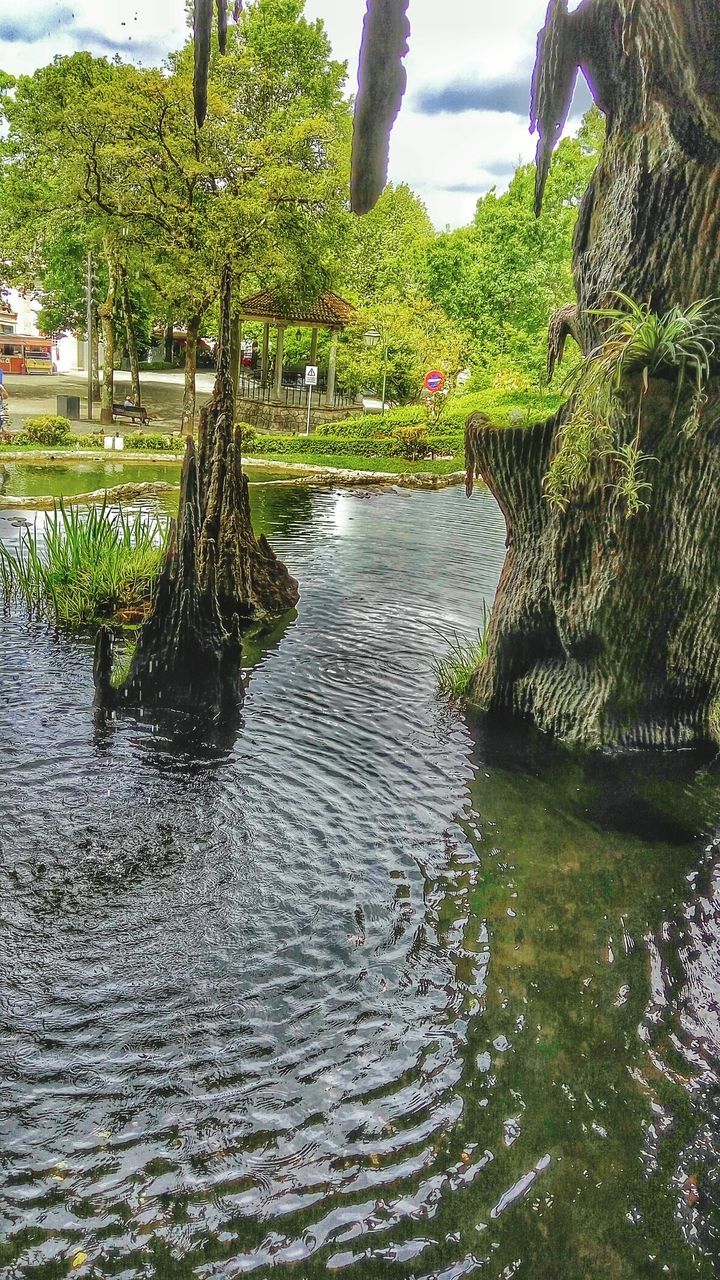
x=19, y=313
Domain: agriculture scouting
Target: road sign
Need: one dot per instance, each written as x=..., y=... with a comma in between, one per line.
x=311, y=375
x=434, y=381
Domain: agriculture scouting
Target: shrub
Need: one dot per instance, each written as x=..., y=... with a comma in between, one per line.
x=47, y=430
x=154, y=442
x=266, y=446
x=248, y=434
x=373, y=424
x=418, y=446
x=412, y=442
x=94, y=441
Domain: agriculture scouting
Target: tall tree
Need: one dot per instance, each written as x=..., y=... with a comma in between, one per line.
x=606, y=630
x=385, y=254
x=502, y=277
x=261, y=184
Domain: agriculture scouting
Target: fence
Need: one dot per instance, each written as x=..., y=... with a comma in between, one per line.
x=293, y=395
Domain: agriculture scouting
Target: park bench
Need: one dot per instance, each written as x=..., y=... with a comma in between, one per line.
x=136, y=414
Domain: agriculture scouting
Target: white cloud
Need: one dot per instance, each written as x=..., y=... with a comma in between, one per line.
x=458, y=41
x=448, y=158
x=32, y=34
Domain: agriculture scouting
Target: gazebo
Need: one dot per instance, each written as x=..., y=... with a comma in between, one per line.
x=329, y=311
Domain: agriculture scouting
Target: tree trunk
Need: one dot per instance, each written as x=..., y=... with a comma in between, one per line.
x=131, y=337
x=106, y=311
x=95, y=356
x=235, y=354
x=606, y=630
x=187, y=425
x=168, y=341
x=216, y=575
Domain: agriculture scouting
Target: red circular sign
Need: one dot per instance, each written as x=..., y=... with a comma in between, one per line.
x=434, y=381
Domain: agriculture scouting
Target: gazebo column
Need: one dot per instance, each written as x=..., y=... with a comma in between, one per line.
x=313, y=347
x=332, y=361
x=265, y=352
x=277, y=386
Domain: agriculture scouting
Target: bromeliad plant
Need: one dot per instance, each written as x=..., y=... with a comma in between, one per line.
x=641, y=344
x=78, y=569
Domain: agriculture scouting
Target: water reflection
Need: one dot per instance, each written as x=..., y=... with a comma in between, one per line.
x=367, y=990
x=183, y=743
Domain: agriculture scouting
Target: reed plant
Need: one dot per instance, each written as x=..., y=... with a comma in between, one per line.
x=454, y=671
x=79, y=568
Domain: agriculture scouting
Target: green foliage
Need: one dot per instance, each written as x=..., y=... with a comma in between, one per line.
x=94, y=440
x=154, y=442
x=416, y=336
x=122, y=664
x=107, y=156
x=266, y=446
x=394, y=445
x=386, y=250
x=412, y=442
x=502, y=277
x=639, y=345
x=504, y=409
x=46, y=430
x=372, y=425
x=248, y=434
x=455, y=671
x=80, y=568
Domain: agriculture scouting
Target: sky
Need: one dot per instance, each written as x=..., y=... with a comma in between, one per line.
x=464, y=124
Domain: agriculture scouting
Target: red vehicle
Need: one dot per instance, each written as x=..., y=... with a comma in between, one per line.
x=19, y=353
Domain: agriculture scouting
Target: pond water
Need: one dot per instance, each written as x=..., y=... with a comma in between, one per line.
x=369, y=989
x=69, y=477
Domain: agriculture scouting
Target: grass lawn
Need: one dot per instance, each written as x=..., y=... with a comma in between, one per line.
x=351, y=462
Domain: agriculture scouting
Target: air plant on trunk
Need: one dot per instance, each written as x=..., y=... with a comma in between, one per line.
x=608, y=390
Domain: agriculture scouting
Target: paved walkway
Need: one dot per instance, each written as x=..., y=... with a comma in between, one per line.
x=162, y=395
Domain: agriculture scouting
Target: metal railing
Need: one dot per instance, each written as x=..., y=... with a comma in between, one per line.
x=292, y=394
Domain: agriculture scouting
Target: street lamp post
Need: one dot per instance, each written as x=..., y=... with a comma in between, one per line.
x=373, y=337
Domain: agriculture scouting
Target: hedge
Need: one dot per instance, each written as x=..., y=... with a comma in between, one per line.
x=268, y=446
x=155, y=442
x=501, y=407
x=47, y=430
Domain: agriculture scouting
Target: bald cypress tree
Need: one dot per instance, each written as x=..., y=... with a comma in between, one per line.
x=606, y=625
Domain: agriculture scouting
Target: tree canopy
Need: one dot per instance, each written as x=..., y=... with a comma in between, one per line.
x=502, y=277
x=106, y=157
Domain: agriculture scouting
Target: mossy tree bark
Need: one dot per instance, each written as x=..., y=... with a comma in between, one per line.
x=187, y=421
x=132, y=346
x=216, y=576
x=606, y=630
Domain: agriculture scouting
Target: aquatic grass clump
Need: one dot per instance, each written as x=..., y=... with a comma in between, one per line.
x=641, y=343
x=454, y=671
x=82, y=568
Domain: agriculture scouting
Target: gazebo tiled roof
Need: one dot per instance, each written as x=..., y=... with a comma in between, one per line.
x=329, y=311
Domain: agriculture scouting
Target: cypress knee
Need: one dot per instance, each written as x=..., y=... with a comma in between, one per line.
x=216, y=576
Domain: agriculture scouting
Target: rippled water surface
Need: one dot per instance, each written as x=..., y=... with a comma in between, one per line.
x=368, y=989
